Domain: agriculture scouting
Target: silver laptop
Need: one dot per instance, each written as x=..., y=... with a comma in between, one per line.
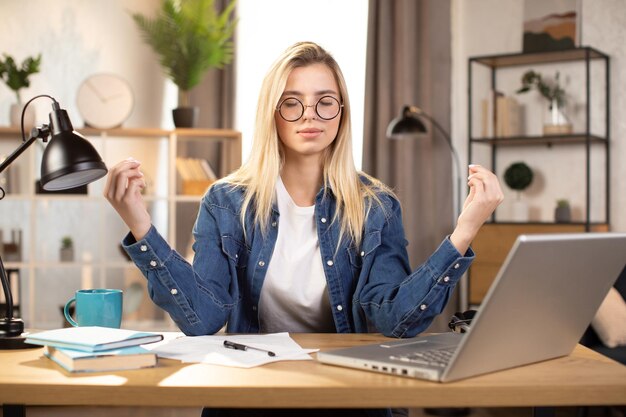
x=542, y=300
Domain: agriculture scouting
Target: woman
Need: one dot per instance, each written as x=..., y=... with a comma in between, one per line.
x=296, y=239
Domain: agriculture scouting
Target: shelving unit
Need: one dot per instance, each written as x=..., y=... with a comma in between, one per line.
x=496, y=238
x=46, y=283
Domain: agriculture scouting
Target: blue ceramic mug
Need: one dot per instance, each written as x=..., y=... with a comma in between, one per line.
x=96, y=307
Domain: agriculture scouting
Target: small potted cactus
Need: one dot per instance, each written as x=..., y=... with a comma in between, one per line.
x=562, y=212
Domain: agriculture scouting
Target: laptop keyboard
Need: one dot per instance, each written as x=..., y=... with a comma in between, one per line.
x=434, y=357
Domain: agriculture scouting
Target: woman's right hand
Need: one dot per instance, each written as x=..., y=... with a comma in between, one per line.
x=123, y=190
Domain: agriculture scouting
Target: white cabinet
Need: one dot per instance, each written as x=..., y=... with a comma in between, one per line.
x=42, y=220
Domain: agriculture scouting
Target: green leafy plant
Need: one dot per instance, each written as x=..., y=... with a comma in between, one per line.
x=190, y=37
x=562, y=203
x=16, y=77
x=518, y=176
x=550, y=90
x=66, y=242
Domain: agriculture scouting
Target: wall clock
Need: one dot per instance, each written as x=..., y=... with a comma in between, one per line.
x=104, y=100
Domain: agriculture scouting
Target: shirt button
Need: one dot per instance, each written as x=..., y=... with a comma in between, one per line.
x=274, y=224
x=323, y=219
x=173, y=291
x=423, y=307
x=329, y=263
x=153, y=263
x=253, y=308
x=457, y=266
x=446, y=279
x=143, y=248
x=362, y=253
x=339, y=307
x=261, y=263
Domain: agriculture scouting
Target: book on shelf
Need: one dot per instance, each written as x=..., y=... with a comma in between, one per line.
x=183, y=169
x=501, y=116
x=133, y=357
x=210, y=174
x=194, y=169
x=92, y=338
x=508, y=121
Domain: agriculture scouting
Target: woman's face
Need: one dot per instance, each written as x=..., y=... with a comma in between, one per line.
x=310, y=134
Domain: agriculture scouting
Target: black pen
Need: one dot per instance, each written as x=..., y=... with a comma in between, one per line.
x=238, y=346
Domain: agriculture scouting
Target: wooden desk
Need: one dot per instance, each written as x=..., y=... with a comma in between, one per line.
x=583, y=378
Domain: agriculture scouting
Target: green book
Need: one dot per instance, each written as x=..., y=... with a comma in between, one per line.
x=133, y=357
x=92, y=338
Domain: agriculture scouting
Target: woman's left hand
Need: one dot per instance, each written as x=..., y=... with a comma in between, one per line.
x=484, y=196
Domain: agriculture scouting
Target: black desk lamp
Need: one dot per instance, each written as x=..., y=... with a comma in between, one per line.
x=69, y=161
x=409, y=125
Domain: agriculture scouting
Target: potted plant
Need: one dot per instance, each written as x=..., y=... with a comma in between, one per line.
x=518, y=176
x=556, y=122
x=67, y=249
x=190, y=37
x=17, y=77
x=562, y=212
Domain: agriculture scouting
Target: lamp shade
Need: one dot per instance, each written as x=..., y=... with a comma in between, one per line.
x=69, y=160
x=408, y=124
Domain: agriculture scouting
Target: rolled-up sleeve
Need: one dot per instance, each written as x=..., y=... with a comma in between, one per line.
x=399, y=302
x=196, y=296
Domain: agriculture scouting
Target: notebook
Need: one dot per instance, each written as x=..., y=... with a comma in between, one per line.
x=539, y=305
x=92, y=338
x=133, y=357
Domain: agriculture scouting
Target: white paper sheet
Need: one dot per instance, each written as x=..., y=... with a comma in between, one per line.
x=210, y=349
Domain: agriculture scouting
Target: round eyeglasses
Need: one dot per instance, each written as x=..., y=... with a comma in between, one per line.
x=291, y=109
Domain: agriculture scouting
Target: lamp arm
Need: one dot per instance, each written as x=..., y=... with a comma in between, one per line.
x=463, y=284
x=8, y=297
x=10, y=325
x=39, y=132
x=36, y=133
x=455, y=155
x=16, y=153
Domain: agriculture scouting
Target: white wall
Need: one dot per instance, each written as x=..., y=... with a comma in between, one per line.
x=484, y=27
x=76, y=39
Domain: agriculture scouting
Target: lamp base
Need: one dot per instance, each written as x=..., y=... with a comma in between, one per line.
x=12, y=334
x=16, y=342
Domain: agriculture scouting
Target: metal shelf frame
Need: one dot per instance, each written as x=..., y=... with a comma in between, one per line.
x=583, y=54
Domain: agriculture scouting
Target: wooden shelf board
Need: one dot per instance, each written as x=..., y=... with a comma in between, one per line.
x=518, y=59
x=575, y=138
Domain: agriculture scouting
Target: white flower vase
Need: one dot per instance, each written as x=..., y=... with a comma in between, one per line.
x=556, y=121
x=16, y=116
x=520, y=211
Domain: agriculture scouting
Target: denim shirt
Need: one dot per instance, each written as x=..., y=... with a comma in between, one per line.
x=370, y=287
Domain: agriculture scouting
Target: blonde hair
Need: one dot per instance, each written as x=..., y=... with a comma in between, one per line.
x=259, y=173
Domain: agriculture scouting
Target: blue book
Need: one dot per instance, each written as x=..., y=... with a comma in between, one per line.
x=133, y=357
x=92, y=338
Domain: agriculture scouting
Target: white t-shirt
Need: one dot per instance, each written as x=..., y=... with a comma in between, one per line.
x=294, y=297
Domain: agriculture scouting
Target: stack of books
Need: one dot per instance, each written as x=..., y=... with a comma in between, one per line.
x=196, y=174
x=97, y=349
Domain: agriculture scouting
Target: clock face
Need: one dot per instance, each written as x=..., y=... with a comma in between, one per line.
x=104, y=101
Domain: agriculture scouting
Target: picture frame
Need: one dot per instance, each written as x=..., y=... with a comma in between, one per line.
x=551, y=25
